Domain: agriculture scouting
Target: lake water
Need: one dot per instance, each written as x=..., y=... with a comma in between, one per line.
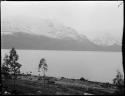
x=92, y=65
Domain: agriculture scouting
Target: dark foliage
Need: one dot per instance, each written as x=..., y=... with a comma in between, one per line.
x=82, y=79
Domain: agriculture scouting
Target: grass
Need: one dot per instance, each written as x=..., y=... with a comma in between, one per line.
x=28, y=87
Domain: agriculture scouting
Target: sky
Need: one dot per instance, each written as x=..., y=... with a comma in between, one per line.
x=91, y=18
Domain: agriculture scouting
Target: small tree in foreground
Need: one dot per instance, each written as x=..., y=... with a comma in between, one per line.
x=5, y=67
x=13, y=65
x=82, y=79
x=44, y=67
x=10, y=66
x=119, y=82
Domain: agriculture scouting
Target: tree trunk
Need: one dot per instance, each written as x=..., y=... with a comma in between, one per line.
x=44, y=78
x=14, y=80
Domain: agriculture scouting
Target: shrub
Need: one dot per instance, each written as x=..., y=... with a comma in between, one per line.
x=82, y=79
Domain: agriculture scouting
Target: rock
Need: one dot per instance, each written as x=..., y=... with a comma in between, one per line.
x=7, y=93
x=87, y=94
x=39, y=92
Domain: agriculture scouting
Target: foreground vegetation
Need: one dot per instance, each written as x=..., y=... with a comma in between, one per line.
x=54, y=87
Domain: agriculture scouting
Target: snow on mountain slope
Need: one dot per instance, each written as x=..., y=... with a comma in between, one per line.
x=50, y=28
x=107, y=40
x=39, y=26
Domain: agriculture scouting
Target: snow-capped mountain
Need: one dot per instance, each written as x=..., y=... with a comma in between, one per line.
x=39, y=26
x=37, y=33
x=106, y=40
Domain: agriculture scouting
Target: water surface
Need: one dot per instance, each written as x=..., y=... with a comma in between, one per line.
x=96, y=66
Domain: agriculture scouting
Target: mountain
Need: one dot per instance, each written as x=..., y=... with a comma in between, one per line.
x=45, y=34
x=107, y=40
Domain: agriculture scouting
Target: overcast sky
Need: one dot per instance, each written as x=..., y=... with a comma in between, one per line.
x=92, y=18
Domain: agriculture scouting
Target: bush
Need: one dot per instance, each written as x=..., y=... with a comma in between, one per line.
x=118, y=80
x=82, y=79
x=62, y=78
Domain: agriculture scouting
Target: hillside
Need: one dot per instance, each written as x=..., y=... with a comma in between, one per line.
x=45, y=34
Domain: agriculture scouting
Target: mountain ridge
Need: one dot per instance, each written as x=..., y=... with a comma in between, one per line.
x=37, y=32
x=22, y=40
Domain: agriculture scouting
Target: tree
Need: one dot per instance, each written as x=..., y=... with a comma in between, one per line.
x=82, y=79
x=44, y=67
x=119, y=82
x=10, y=65
x=5, y=67
x=14, y=65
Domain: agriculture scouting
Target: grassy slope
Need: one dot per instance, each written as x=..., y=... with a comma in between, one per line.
x=32, y=87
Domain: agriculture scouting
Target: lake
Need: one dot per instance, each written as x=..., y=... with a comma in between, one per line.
x=92, y=65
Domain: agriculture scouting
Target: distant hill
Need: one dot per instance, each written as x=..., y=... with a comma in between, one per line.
x=43, y=34
x=29, y=41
